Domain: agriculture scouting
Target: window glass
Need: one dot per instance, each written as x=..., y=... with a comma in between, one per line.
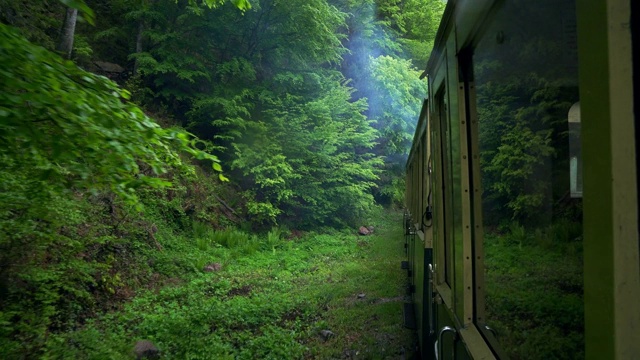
x=447, y=188
x=525, y=78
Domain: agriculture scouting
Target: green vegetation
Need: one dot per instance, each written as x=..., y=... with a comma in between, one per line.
x=67, y=128
x=118, y=224
x=113, y=197
x=303, y=102
x=534, y=291
x=533, y=226
x=269, y=301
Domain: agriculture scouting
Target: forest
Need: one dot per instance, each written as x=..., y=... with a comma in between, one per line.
x=148, y=143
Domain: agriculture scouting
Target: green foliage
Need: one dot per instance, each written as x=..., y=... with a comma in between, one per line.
x=82, y=50
x=397, y=85
x=240, y=4
x=38, y=21
x=524, y=96
x=416, y=21
x=76, y=157
x=267, y=103
x=521, y=136
x=216, y=72
x=77, y=256
x=309, y=159
x=44, y=283
x=79, y=161
x=72, y=128
x=267, y=305
x=522, y=154
x=85, y=10
x=273, y=238
x=233, y=239
x=396, y=97
x=381, y=35
x=534, y=291
x=176, y=68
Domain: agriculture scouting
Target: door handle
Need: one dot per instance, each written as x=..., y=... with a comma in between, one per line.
x=438, y=344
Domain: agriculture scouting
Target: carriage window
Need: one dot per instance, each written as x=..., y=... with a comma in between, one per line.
x=447, y=188
x=526, y=83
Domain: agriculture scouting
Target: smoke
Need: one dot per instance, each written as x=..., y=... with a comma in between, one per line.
x=367, y=40
x=380, y=73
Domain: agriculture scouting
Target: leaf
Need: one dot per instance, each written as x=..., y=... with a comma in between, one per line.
x=88, y=13
x=242, y=4
x=76, y=131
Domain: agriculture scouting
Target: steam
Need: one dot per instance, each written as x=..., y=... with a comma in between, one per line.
x=378, y=71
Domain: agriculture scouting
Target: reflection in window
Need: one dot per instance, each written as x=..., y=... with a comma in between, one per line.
x=575, y=151
x=525, y=75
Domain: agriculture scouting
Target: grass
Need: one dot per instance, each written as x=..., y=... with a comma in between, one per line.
x=534, y=291
x=271, y=299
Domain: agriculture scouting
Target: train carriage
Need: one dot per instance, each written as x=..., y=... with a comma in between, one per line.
x=521, y=220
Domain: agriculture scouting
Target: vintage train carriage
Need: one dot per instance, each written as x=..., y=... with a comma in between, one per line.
x=522, y=190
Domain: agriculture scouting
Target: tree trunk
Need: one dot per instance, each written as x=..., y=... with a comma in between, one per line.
x=65, y=45
x=138, y=46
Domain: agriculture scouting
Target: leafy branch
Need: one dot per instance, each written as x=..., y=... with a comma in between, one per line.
x=77, y=130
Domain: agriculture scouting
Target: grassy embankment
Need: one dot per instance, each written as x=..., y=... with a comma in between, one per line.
x=271, y=299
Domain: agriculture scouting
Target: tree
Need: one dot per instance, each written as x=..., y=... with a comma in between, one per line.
x=65, y=44
x=73, y=129
x=396, y=97
x=309, y=160
x=67, y=135
x=416, y=23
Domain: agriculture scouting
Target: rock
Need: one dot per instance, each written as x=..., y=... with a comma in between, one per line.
x=350, y=354
x=109, y=67
x=370, y=228
x=145, y=349
x=363, y=231
x=212, y=267
x=361, y=296
x=326, y=334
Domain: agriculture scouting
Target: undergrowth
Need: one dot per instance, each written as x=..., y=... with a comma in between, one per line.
x=270, y=298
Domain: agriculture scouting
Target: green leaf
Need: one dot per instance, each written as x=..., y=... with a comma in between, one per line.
x=86, y=11
x=242, y=4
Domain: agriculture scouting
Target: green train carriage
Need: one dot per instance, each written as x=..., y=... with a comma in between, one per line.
x=522, y=188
